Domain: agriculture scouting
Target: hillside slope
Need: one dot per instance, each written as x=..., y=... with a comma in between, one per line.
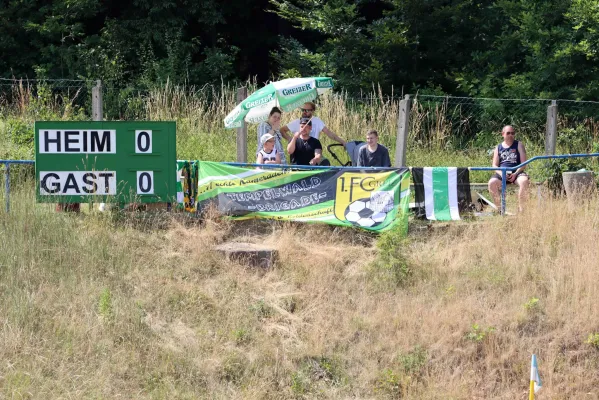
x=140, y=306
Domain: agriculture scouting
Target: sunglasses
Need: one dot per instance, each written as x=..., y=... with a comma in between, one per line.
x=307, y=110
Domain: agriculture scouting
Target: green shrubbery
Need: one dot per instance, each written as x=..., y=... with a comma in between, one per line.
x=391, y=268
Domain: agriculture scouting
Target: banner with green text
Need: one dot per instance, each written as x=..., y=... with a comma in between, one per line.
x=369, y=199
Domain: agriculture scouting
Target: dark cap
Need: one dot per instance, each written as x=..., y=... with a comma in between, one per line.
x=306, y=121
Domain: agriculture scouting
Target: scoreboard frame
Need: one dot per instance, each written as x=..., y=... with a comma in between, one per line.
x=105, y=161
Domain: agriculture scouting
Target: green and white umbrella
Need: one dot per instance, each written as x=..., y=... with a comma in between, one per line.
x=287, y=94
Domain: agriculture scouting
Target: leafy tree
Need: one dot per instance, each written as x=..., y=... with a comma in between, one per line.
x=359, y=45
x=490, y=48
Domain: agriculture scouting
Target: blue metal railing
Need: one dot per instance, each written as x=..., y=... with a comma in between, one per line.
x=307, y=167
x=503, y=170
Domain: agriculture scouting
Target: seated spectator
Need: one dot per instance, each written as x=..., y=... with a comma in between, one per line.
x=303, y=148
x=373, y=154
x=318, y=125
x=273, y=127
x=509, y=153
x=268, y=154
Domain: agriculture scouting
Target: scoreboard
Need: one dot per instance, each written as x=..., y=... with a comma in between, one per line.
x=117, y=161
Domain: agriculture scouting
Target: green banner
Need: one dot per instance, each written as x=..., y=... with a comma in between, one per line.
x=187, y=184
x=368, y=199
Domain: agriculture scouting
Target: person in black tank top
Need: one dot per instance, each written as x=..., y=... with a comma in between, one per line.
x=509, y=154
x=303, y=148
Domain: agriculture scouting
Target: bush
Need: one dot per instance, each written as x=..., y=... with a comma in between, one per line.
x=391, y=268
x=19, y=132
x=552, y=171
x=593, y=340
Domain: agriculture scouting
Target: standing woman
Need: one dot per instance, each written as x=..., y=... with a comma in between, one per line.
x=272, y=127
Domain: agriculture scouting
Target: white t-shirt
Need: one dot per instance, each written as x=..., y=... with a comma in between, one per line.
x=272, y=156
x=317, y=126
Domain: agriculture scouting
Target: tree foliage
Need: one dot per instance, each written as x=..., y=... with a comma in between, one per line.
x=490, y=48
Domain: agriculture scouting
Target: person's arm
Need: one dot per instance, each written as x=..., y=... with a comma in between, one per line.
x=291, y=145
x=287, y=135
x=317, y=157
x=259, y=159
x=523, y=157
x=286, y=132
x=333, y=136
x=262, y=130
x=495, y=163
x=278, y=158
x=361, y=158
x=317, y=153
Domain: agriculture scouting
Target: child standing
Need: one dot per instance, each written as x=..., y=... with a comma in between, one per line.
x=268, y=154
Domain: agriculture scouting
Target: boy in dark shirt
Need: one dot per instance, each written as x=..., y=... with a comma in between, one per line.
x=304, y=149
x=373, y=154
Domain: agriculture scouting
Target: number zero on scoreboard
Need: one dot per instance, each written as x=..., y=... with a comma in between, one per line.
x=143, y=141
x=145, y=182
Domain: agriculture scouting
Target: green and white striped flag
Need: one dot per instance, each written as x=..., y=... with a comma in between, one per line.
x=442, y=191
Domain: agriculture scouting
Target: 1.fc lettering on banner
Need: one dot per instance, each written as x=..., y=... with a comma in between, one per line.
x=360, y=200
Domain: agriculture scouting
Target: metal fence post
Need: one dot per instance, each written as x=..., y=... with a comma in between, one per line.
x=7, y=186
x=551, y=128
x=403, y=127
x=242, y=133
x=503, y=189
x=97, y=104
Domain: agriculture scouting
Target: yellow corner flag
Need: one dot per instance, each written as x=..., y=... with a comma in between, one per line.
x=535, y=380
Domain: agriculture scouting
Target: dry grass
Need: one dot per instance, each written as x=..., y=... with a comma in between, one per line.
x=97, y=307
x=142, y=307
x=200, y=111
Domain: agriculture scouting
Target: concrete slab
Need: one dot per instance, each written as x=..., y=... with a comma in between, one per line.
x=254, y=255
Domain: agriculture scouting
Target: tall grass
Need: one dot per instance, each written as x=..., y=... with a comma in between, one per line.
x=461, y=132
x=99, y=307
x=200, y=111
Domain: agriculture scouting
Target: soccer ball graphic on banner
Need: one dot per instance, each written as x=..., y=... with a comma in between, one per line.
x=367, y=212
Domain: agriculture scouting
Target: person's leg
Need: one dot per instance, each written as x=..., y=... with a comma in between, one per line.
x=495, y=189
x=523, y=183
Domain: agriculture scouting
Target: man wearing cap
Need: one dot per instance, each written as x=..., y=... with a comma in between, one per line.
x=305, y=149
x=317, y=124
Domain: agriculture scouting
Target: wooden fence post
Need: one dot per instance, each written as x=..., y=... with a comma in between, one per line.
x=97, y=104
x=242, y=133
x=403, y=127
x=97, y=115
x=551, y=128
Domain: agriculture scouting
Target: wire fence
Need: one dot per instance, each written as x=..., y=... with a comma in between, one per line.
x=475, y=122
x=464, y=122
x=442, y=122
x=45, y=97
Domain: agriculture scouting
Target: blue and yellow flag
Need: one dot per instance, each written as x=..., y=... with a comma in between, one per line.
x=535, y=380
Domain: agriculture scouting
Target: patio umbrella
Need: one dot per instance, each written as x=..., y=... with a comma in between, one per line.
x=287, y=94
